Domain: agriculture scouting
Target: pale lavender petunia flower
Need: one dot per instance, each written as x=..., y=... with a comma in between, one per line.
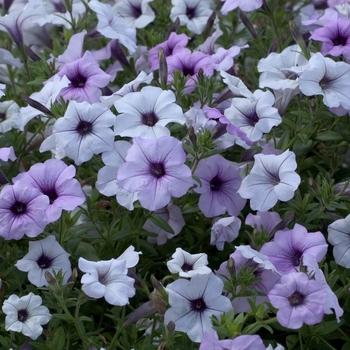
x=82, y=132
x=254, y=117
x=224, y=230
x=272, y=178
x=134, y=13
x=54, y=179
x=328, y=78
x=9, y=112
x=263, y=220
x=156, y=169
x=339, y=237
x=188, y=265
x=335, y=37
x=86, y=79
x=220, y=181
x=298, y=300
x=193, y=302
x=173, y=216
x=7, y=153
x=146, y=113
x=175, y=43
x=45, y=255
x=22, y=211
x=192, y=13
x=190, y=64
x=244, y=5
x=287, y=250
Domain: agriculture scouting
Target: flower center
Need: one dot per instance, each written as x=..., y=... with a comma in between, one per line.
x=188, y=70
x=252, y=118
x=22, y=315
x=157, y=170
x=215, y=183
x=135, y=10
x=52, y=194
x=18, y=208
x=296, y=299
x=290, y=75
x=78, y=81
x=191, y=12
x=44, y=261
x=59, y=6
x=296, y=258
x=186, y=267
x=2, y=116
x=84, y=128
x=149, y=118
x=198, y=305
x=339, y=40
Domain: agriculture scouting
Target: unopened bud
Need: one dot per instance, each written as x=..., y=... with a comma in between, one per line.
x=248, y=24
x=52, y=281
x=103, y=204
x=173, y=27
x=170, y=327
x=163, y=69
x=231, y=268
x=37, y=105
x=157, y=285
x=118, y=53
x=158, y=302
x=192, y=135
x=162, y=346
x=299, y=39
x=209, y=25
x=31, y=54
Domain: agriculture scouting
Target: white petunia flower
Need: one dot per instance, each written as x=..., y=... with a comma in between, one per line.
x=25, y=315
x=272, y=178
x=9, y=113
x=224, y=230
x=188, y=265
x=328, y=78
x=45, y=255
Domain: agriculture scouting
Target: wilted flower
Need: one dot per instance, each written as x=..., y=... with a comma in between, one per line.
x=45, y=255
x=25, y=315
x=224, y=230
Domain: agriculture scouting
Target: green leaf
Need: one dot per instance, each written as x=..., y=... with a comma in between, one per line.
x=160, y=222
x=329, y=136
x=59, y=339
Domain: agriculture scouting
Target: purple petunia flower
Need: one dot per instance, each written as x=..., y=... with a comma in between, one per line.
x=54, y=179
x=289, y=246
x=263, y=220
x=190, y=64
x=224, y=230
x=272, y=178
x=298, y=300
x=22, y=211
x=335, y=37
x=86, y=79
x=194, y=302
x=220, y=182
x=156, y=169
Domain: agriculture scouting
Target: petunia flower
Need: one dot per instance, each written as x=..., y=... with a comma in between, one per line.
x=335, y=37
x=298, y=300
x=254, y=117
x=9, y=113
x=7, y=153
x=86, y=79
x=328, y=78
x=135, y=13
x=22, y=211
x=192, y=13
x=339, y=237
x=224, y=230
x=193, y=302
x=288, y=247
x=263, y=220
x=188, y=265
x=272, y=178
x=220, y=181
x=82, y=132
x=244, y=5
x=173, y=216
x=156, y=170
x=26, y=315
x=146, y=113
x=45, y=255
x=54, y=179
x=107, y=279
x=112, y=26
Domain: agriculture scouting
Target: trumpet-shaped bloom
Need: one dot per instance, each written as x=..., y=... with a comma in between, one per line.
x=22, y=211
x=156, y=170
x=254, y=117
x=328, y=78
x=272, y=178
x=335, y=37
x=339, y=237
x=220, y=182
x=54, y=179
x=244, y=5
x=45, y=255
x=224, y=230
x=188, y=265
x=25, y=315
x=135, y=13
x=194, y=302
x=193, y=13
x=107, y=279
x=146, y=113
x=9, y=113
x=298, y=300
x=82, y=132
x=288, y=247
